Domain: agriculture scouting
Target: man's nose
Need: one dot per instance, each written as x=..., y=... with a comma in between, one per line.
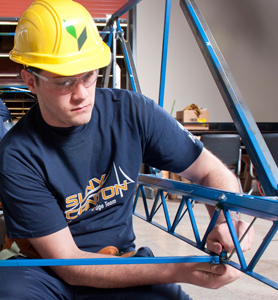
x=80, y=92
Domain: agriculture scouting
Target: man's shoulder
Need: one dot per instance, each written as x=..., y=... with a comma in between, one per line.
x=125, y=98
x=118, y=94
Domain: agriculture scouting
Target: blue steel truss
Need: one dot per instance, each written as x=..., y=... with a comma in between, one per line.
x=258, y=207
x=266, y=169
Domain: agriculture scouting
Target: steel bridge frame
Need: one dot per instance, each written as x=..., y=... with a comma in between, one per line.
x=266, y=168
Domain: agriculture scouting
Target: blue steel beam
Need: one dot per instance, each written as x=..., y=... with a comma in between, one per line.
x=164, y=52
x=256, y=147
x=125, y=8
x=235, y=240
x=193, y=222
x=121, y=11
x=130, y=65
x=107, y=261
x=262, y=207
x=179, y=214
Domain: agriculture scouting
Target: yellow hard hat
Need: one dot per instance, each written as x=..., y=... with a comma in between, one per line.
x=59, y=36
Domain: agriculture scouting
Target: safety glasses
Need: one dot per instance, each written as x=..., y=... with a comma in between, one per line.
x=64, y=84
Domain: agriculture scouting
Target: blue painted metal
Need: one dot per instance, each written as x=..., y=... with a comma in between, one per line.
x=235, y=240
x=145, y=203
x=164, y=52
x=114, y=31
x=263, y=246
x=114, y=54
x=20, y=88
x=128, y=60
x=193, y=222
x=257, y=149
x=154, y=207
x=179, y=214
x=166, y=213
x=255, y=275
x=107, y=261
x=109, y=43
x=136, y=198
x=210, y=227
x=6, y=33
x=121, y=11
x=260, y=207
x=125, y=8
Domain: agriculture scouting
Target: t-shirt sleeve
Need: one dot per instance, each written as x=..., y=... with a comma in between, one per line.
x=29, y=207
x=169, y=146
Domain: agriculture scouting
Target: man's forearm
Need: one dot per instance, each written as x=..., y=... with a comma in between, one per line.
x=60, y=245
x=226, y=181
x=123, y=276
x=116, y=276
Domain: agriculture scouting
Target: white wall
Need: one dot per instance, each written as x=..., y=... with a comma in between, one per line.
x=246, y=33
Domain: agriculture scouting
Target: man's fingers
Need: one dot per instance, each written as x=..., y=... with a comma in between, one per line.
x=214, y=276
x=217, y=269
x=220, y=237
x=214, y=246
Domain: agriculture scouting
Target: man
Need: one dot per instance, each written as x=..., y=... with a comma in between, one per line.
x=69, y=169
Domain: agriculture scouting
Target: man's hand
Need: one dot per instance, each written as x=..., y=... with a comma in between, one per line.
x=212, y=276
x=220, y=238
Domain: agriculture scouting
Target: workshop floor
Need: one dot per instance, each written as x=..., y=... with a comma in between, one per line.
x=163, y=244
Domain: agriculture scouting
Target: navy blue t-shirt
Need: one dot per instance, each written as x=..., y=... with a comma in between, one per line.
x=84, y=177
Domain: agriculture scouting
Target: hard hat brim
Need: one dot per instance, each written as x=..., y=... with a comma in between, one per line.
x=68, y=66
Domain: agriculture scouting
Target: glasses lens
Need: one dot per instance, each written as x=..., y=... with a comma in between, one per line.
x=60, y=84
x=65, y=85
x=89, y=78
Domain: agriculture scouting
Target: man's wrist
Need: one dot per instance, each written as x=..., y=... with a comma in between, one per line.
x=234, y=216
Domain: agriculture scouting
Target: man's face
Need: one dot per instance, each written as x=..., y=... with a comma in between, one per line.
x=65, y=110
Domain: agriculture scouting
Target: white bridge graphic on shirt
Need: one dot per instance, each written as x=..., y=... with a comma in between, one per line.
x=76, y=205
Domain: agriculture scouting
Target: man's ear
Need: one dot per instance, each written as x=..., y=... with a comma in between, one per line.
x=29, y=80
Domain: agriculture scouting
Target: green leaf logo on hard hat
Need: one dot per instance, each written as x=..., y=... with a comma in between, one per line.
x=81, y=39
